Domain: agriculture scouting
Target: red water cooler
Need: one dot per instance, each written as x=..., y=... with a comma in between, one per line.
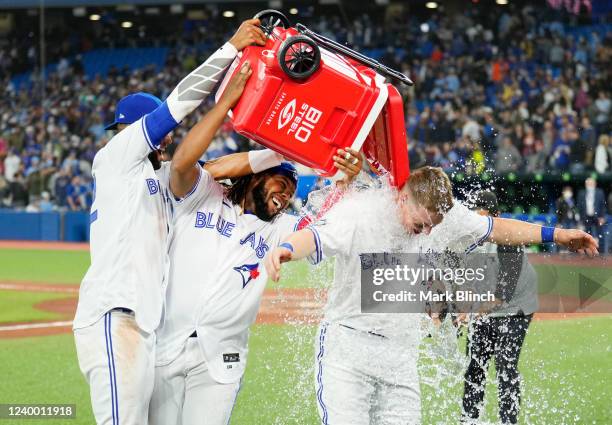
x=305, y=101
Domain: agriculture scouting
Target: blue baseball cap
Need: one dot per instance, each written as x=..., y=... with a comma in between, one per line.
x=286, y=169
x=133, y=107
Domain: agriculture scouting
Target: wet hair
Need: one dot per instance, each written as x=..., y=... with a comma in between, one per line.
x=431, y=188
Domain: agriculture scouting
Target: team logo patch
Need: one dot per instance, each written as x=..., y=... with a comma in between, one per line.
x=231, y=357
x=248, y=272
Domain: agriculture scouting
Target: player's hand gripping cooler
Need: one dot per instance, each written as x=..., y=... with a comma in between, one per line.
x=309, y=96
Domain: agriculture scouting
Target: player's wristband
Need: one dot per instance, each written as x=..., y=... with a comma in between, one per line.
x=548, y=234
x=264, y=159
x=287, y=245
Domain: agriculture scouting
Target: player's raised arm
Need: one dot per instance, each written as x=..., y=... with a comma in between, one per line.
x=183, y=173
x=297, y=246
x=242, y=163
x=515, y=232
x=196, y=86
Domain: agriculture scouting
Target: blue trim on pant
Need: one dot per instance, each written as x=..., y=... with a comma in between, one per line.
x=320, y=373
x=110, y=372
x=111, y=368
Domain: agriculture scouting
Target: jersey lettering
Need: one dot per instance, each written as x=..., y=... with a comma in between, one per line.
x=262, y=248
x=153, y=186
x=205, y=220
x=250, y=238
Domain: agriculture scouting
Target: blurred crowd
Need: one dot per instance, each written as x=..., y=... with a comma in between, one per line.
x=484, y=99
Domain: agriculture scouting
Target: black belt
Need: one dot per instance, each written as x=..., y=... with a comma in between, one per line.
x=358, y=330
x=194, y=334
x=123, y=310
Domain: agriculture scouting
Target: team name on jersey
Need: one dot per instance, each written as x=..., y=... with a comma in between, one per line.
x=153, y=186
x=208, y=220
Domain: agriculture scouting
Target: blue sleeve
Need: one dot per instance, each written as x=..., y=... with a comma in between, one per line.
x=157, y=124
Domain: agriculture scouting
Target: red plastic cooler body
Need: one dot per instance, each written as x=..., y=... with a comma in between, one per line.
x=386, y=146
x=308, y=120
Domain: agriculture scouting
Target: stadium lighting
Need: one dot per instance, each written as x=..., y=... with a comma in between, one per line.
x=501, y=2
x=79, y=12
x=425, y=27
x=293, y=11
x=126, y=24
x=94, y=17
x=229, y=14
x=431, y=5
x=176, y=9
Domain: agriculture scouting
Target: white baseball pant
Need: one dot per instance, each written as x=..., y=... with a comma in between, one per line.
x=366, y=379
x=118, y=361
x=186, y=394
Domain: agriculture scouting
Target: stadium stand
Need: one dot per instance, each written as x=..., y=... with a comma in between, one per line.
x=517, y=96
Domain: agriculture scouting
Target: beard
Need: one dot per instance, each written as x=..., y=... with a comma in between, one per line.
x=261, y=206
x=154, y=157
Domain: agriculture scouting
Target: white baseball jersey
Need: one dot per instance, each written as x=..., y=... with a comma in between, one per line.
x=216, y=277
x=377, y=229
x=129, y=228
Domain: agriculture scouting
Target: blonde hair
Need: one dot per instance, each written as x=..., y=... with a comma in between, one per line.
x=604, y=139
x=431, y=188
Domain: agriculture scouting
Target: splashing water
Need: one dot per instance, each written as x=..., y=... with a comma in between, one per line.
x=548, y=395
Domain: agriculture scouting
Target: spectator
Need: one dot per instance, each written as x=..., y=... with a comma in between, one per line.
x=45, y=204
x=603, y=155
x=60, y=187
x=603, y=106
x=18, y=193
x=3, y=153
x=77, y=194
x=566, y=209
x=72, y=163
x=508, y=157
x=416, y=155
x=471, y=129
x=12, y=163
x=478, y=73
x=35, y=180
x=561, y=150
x=4, y=191
x=592, y=209
x=578, y=151
x=589, y=137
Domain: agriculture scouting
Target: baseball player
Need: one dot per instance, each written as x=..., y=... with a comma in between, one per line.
x=121, y=296
x=365, y=367
x=501, y=333
x=220, y=238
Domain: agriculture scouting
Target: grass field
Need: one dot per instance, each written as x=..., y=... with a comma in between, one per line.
x=566, y=365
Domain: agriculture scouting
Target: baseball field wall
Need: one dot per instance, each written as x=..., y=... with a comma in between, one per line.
x=70, y=226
